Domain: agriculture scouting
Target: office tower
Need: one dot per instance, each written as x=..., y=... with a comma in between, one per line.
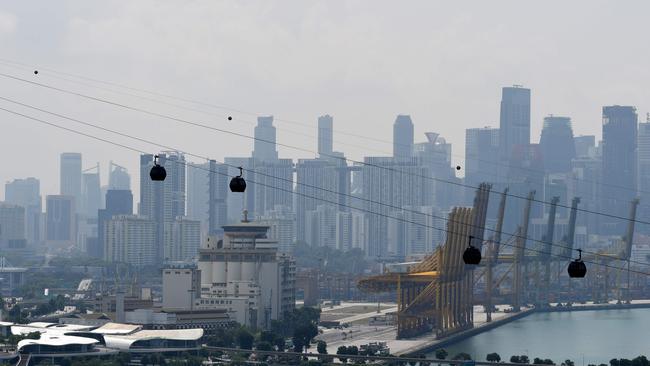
x=619, y=163
x=60, y=219
x=12, y=226
x=182, y=239
x=325, y=135
x=131, y=239
x=118, y=177
x=162, y=201
x=272, y=184
x=218, y=186
x=282, y=227
x=264, y=145
x=557, y=144
x=316, y=185
x=585, y=182
x=514, y=122
x=585, y=145
x=481, y=156
x=71, y=177
x=91, y=193
x=388, y=185
x=118, y=202
x=359, y=231
x=644, y=173
x=402, y=137
x=26, y=193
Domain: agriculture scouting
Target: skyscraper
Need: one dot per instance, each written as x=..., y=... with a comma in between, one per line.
x=118, y=177
x=481, y=158
x=557, y=144
x=26, y=193
x=325, y=135
x=71, y=177
x=162, y=201
x=514, y=123
x=92, y=194
x=619, y=163
x=316, y=183
x=60, y=222
x=644, y=172
x=12, y=225
x=131, y=239
x=585, y=145
x=118, y=202
x=264, y=145
x=402, y=137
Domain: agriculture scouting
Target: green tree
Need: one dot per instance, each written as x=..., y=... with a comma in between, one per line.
x=568, y=363
x=514, y=359
x=493, y=357
x=462, y=356
x=614, y=362
x=264, y=346
x=279, y=343
x=441, y=353
x=303, y=335
x=342, y=350
x=321, y=347
x=245, y=338
x=267, y=336
x=640, y=361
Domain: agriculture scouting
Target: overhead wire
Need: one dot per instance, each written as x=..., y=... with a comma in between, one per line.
x=185, y=164
x=238, y=134
x=12, y=63
x=518, y=236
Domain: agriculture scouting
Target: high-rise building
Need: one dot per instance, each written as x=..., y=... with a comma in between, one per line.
x=344, y=230
x=91, y=193
x=481, y=156
x=619, y=163
x=12, y=224
x=71, y=178
x=182, y=239
x=282, y=227
x=265, y=137
x=118, y=202
x=585, y=145
x=26, y=193
x=218, y=188
x=320, y=228
x=325, y=135
x=130, y=239
x=162, y=201
x=387, y=186
x=435, y=155
x=514, y=122
x=238, y=202
x=198, y=192
x=557, y=144
x=316, y=184
x=272, y=184
x=60, y=219
x=403, y=137
x=118, y=177
x=644, y=172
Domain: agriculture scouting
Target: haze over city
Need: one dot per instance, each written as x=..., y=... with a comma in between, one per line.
x=316, y=182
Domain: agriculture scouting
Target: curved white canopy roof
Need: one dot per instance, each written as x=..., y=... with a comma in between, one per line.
x=125, y=341
x=56, y=340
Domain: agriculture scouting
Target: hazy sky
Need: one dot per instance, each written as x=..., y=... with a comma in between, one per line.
x=363, y=62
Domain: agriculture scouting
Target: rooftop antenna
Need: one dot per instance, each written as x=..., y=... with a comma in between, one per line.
x=245, y=212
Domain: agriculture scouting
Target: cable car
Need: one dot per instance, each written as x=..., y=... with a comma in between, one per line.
x=157, y=172
x=238, y=184
x=472, y=255
x=577, y=268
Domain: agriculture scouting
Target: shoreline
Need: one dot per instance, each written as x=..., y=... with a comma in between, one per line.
x=461, y=336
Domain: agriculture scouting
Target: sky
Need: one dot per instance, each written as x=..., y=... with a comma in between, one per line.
x=363, y=62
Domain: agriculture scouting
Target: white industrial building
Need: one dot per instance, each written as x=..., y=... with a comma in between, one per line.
x=245, y=273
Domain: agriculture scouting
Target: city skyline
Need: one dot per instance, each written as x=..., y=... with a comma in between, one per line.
x=435, y=88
